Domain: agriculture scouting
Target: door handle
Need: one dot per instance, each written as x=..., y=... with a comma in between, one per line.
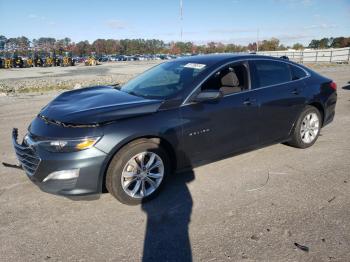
x=249, y=101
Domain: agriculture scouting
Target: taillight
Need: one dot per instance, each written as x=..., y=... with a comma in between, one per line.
x=333, y=85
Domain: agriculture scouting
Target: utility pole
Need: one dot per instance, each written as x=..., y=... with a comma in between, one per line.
x=181, y=18
x=257, y=40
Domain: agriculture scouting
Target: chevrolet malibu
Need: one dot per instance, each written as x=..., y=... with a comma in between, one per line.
x=176, y=115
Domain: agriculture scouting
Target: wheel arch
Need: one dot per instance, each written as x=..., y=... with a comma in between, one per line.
x=320, y=108
x=157, y=139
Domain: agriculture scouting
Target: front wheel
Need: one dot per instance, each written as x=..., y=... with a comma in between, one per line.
x=307, y=128
x=137, y=172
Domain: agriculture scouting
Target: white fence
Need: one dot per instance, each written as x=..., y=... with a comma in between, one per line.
x=339, y=55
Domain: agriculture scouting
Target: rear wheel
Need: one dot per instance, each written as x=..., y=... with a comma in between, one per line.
x=137, y=172
x=307, y=128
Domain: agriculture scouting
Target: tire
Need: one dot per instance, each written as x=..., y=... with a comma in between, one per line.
x=299, y=140
x=120, y=164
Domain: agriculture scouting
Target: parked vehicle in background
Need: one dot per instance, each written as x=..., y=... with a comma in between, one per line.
x=67, y=59
x=91, y=60
x=17, y=61
x=79, y=59
x=182, y=113
x=38, y=61
x=28, y=61
x=113, y=58
x=57, y=60
x=103, y=59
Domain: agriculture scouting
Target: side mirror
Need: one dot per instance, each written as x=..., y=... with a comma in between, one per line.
x=208, y=95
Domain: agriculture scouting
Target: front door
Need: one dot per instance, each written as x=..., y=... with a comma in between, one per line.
x=216, y=128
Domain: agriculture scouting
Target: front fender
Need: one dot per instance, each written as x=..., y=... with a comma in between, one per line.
x=165, y=125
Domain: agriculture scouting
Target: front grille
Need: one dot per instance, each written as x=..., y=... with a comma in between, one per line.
x=26, y=155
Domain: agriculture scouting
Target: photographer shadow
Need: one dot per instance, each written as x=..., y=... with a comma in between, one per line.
x=168, y=218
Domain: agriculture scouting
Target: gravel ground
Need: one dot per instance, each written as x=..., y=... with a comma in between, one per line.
x=53, y=78
x=228, y=210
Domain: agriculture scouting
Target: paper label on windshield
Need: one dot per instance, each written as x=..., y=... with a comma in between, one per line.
x=194, y=66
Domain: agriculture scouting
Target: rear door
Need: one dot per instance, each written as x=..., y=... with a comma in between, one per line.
x=280, y=96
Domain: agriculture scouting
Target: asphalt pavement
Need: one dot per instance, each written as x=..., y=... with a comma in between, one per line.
x=254, y=206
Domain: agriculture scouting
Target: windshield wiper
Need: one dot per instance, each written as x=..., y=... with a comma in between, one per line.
x=133, y=93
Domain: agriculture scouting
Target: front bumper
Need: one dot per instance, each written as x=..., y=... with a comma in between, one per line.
x=39, y=163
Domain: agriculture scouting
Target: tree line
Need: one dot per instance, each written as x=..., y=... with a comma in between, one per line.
x=153, y=46
x=337, y=42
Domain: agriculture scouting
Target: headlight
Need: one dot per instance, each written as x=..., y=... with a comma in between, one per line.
x=69, y=145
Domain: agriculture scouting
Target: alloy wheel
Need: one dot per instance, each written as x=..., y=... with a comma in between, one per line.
x=309, y=128
x=142, y=174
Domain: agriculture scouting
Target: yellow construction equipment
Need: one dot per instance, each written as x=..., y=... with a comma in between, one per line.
x=49, y=61
x=17, y=61
x=91, y=61
x=68, y=59
x=29, y=62
x=38, y=61
x=8, y=62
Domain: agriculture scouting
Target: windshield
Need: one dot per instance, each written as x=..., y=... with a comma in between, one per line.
x=164, y=80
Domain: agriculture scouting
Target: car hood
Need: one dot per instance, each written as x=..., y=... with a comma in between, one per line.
x=95, y=105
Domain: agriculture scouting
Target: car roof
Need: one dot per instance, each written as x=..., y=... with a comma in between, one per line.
x=218, y=59
x=211, y=59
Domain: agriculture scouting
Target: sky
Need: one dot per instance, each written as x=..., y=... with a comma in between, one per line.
x=228, y=21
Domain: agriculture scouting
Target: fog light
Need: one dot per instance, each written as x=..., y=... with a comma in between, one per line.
x=63, y=174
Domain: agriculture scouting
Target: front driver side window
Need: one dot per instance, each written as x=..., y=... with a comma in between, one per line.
x=230, y=79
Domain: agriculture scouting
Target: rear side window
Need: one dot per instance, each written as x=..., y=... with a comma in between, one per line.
x=297, y=72
x=272, y=72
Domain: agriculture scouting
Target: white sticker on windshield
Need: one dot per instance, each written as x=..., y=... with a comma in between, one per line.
x=194, y=66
